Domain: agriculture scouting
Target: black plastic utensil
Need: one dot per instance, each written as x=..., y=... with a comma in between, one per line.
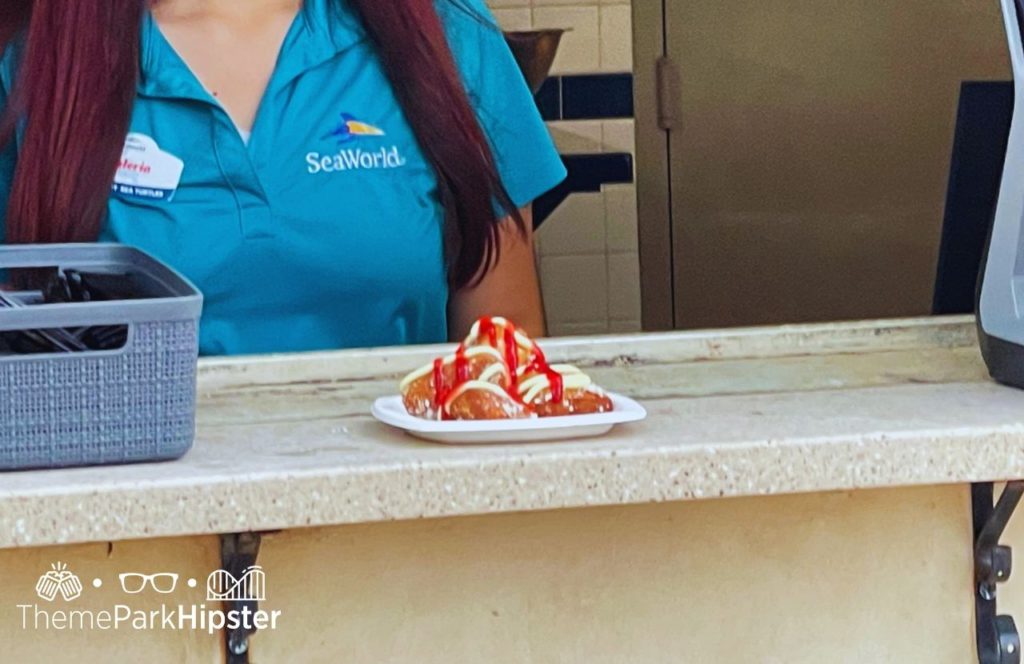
x=72, y=286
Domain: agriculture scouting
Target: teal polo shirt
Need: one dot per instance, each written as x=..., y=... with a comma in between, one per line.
x=324, y=229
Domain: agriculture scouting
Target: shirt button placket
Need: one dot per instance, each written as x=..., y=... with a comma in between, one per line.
x=241, y=178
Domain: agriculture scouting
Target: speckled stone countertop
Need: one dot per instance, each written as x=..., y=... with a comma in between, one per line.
x=285, y=441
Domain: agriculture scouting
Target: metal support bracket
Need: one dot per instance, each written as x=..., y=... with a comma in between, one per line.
x=238, y=552
x=997, y=637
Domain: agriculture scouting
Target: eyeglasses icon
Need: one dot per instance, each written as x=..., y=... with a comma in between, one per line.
x=134, y=583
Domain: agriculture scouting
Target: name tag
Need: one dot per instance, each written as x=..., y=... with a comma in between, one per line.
x=145, y=171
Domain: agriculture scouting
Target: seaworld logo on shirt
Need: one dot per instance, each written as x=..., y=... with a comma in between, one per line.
x=349, y=129
x=352, y=159
x=355, y=159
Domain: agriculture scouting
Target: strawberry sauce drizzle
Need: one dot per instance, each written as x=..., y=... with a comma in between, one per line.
x=440, y=390
x=512, y=358
x=537, y=363
x=461, y=365
x=490, y=330
x=557, y=385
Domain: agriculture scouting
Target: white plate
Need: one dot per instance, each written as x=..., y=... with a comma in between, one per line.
x=390, y=410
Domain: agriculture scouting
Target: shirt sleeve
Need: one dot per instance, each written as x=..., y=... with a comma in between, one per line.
x=527, y=161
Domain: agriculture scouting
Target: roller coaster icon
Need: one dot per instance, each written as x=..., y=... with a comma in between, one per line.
x=251, y=586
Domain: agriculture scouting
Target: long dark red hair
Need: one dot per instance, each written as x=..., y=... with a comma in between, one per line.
x=76, y=87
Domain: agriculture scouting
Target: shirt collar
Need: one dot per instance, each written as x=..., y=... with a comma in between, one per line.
x=333, y=23
x=322, y=30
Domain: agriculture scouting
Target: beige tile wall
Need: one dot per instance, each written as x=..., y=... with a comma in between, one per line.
x=587, y=249
x=599, y=37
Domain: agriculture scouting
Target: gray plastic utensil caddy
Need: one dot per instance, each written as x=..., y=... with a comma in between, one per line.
x=133, y=404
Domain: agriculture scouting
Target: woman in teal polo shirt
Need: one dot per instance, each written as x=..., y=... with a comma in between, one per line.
x=330, y=173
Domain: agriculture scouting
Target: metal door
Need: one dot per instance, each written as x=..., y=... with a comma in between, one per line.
x=805, y=174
